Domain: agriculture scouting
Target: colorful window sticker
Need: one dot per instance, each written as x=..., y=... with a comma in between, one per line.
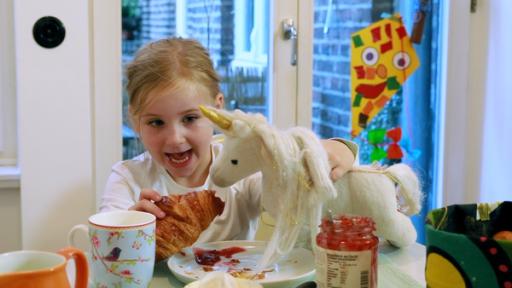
x=382, y=59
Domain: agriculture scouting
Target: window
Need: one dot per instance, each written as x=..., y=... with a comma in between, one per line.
x=251, y=33
x=237, y=35
x=414, y=106
x=239, y=52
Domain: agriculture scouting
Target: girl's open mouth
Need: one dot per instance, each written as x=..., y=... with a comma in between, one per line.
x=179, y=159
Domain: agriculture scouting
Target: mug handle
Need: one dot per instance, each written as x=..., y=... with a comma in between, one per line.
x=81, y=267
x=72, y=232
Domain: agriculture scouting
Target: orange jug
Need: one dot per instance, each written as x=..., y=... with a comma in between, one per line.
x=42, y=269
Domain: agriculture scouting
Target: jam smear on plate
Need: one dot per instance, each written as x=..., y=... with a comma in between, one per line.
x=210, y=257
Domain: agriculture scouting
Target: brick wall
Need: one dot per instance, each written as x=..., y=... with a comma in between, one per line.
x=331, y=60
x=209, y=22
x=158, y=18
x=155, y=19
x=212, y=24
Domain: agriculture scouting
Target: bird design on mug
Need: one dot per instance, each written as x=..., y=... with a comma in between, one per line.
x=113, y=255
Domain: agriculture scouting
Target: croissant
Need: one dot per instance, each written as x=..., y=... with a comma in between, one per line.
x=186, y=217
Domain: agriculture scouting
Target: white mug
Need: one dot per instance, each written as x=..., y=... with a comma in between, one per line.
x=122, y=248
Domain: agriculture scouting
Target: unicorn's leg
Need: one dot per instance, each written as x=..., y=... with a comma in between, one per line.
x=397, y=228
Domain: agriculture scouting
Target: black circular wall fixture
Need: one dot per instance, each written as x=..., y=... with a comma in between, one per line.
x=49, y=32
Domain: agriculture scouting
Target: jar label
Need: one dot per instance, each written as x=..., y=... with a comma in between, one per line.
x=343, y=269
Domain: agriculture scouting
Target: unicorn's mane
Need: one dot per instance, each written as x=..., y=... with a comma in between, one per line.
x=247, y=117
x=285, y=147
x=300, y=174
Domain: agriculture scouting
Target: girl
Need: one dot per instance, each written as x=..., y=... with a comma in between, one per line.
x=167, y=81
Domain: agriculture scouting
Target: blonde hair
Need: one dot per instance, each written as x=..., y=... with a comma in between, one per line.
x=168, y=63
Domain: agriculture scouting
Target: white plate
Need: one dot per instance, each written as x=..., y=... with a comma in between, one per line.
x=296, y=268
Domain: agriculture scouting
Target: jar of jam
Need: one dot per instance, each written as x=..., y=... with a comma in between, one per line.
x=346, y=252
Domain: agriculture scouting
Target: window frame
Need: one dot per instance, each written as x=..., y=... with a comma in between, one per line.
x=452, y=157
x=181, y=18
x=2, y=112
x=8, y=121
x=256, y=56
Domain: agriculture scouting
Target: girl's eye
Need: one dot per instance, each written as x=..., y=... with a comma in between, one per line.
x=156, y=123
x=190, y=118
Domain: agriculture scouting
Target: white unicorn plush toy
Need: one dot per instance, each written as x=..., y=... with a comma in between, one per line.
x=295, y=181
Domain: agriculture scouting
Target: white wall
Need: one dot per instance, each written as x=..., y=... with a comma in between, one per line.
x=69, y=109
x=477, y=120
x=54, y=90
x=496, y=153
x=454, y=80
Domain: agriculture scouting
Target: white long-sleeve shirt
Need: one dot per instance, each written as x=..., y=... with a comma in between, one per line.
x=238, y=221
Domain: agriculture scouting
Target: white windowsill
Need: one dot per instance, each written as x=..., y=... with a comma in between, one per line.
x=9, y=177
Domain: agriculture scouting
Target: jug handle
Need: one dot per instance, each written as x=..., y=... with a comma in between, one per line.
x=81, y=267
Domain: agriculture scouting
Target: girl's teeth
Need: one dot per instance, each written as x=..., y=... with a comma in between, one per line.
x=179, y=160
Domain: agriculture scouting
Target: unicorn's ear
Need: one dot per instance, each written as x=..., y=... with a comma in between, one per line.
x=260, y=117
x=238, y=113
x=240, y=128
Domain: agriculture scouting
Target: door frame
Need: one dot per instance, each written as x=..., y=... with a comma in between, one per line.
x=452, y=157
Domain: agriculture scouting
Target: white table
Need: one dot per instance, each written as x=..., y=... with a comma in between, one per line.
x=403, y=267
x=397, y=268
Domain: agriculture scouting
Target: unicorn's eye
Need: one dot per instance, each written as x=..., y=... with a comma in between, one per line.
x=234, y=161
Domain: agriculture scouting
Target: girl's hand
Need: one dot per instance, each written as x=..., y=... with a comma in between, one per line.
x=146, y=203
x=341, y=158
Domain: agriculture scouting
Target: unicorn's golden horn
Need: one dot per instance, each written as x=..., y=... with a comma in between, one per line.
x=220, y=120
